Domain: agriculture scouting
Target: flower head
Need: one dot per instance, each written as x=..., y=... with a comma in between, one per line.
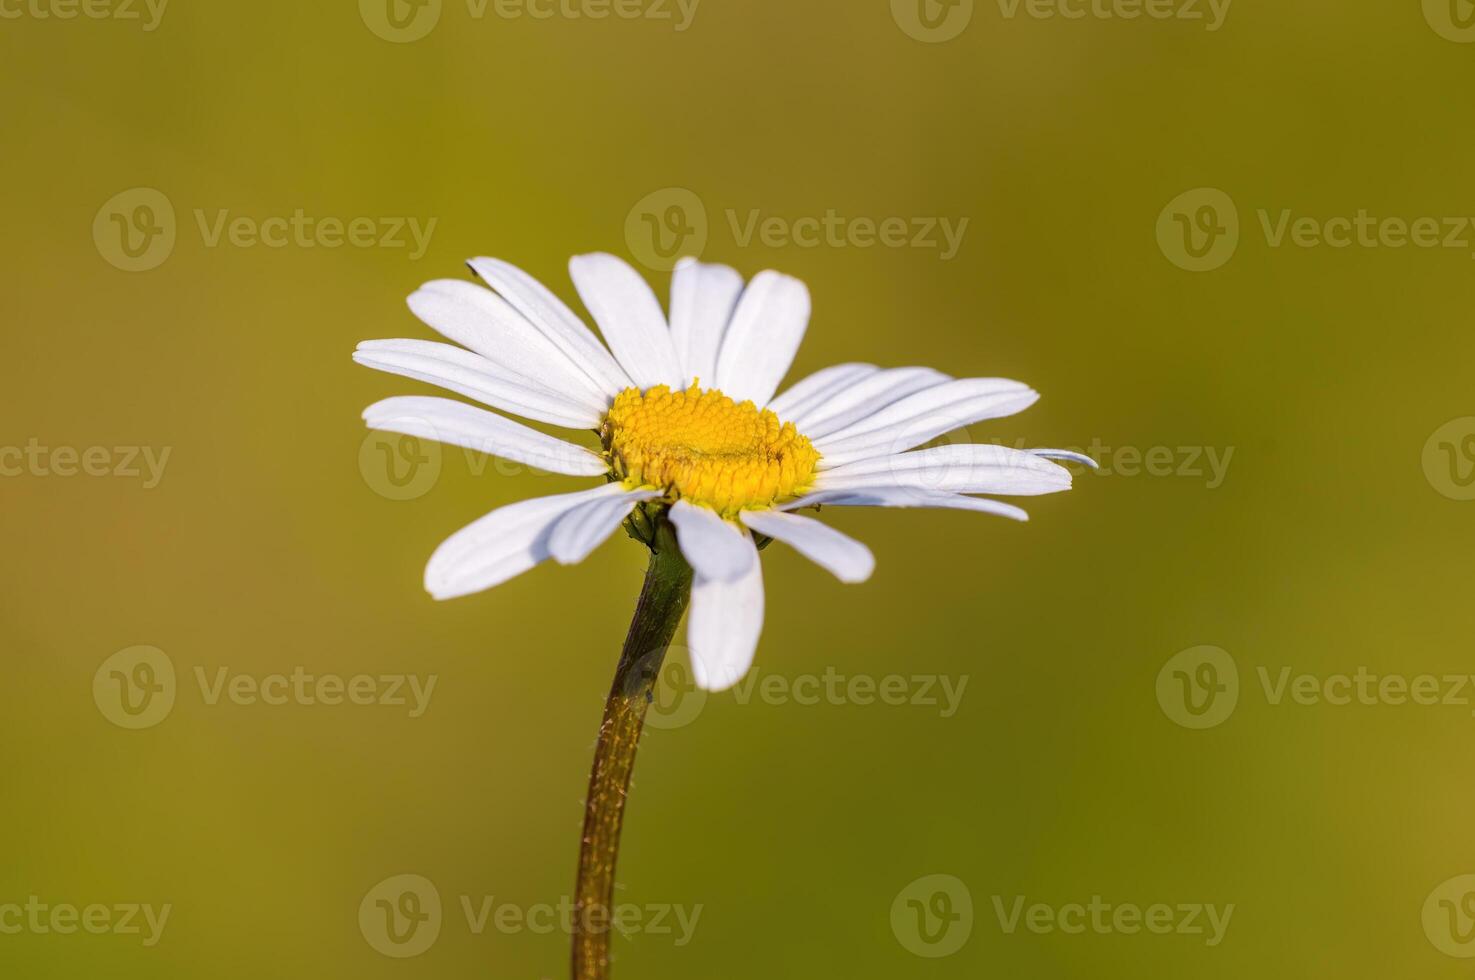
x=703, y=447
x=721, y=460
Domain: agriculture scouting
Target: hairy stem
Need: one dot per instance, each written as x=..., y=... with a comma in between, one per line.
x=663, y=600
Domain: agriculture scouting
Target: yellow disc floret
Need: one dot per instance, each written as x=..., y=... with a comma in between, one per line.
x=707, y=448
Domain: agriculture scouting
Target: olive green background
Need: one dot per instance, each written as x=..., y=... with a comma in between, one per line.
x=1329, y=545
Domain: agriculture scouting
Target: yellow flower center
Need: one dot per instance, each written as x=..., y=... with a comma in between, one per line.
x=707, y=448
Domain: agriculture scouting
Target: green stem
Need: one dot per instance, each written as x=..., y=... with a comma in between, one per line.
x=663, y=600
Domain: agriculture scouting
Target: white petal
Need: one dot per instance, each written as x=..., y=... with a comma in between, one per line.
x=867, y=397
x=846, y=558
x=763, y=337
x=501, y=545
x=958, y=469
x=589, y=525
x=702, y=300
x=474, y=376
x=630, y=317
x=794, y=404
x=458, y=424
x=556, y=321
x=723, y=627
x=920, y=417
x=905, y=497
x=1066, y=455
x=717, y=549
x=475, y=317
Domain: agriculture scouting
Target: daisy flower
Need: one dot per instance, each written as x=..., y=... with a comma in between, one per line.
x=697, y=458
x=690, y=430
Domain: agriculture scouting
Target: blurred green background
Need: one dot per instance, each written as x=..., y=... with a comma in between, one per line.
x=1336, y=539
